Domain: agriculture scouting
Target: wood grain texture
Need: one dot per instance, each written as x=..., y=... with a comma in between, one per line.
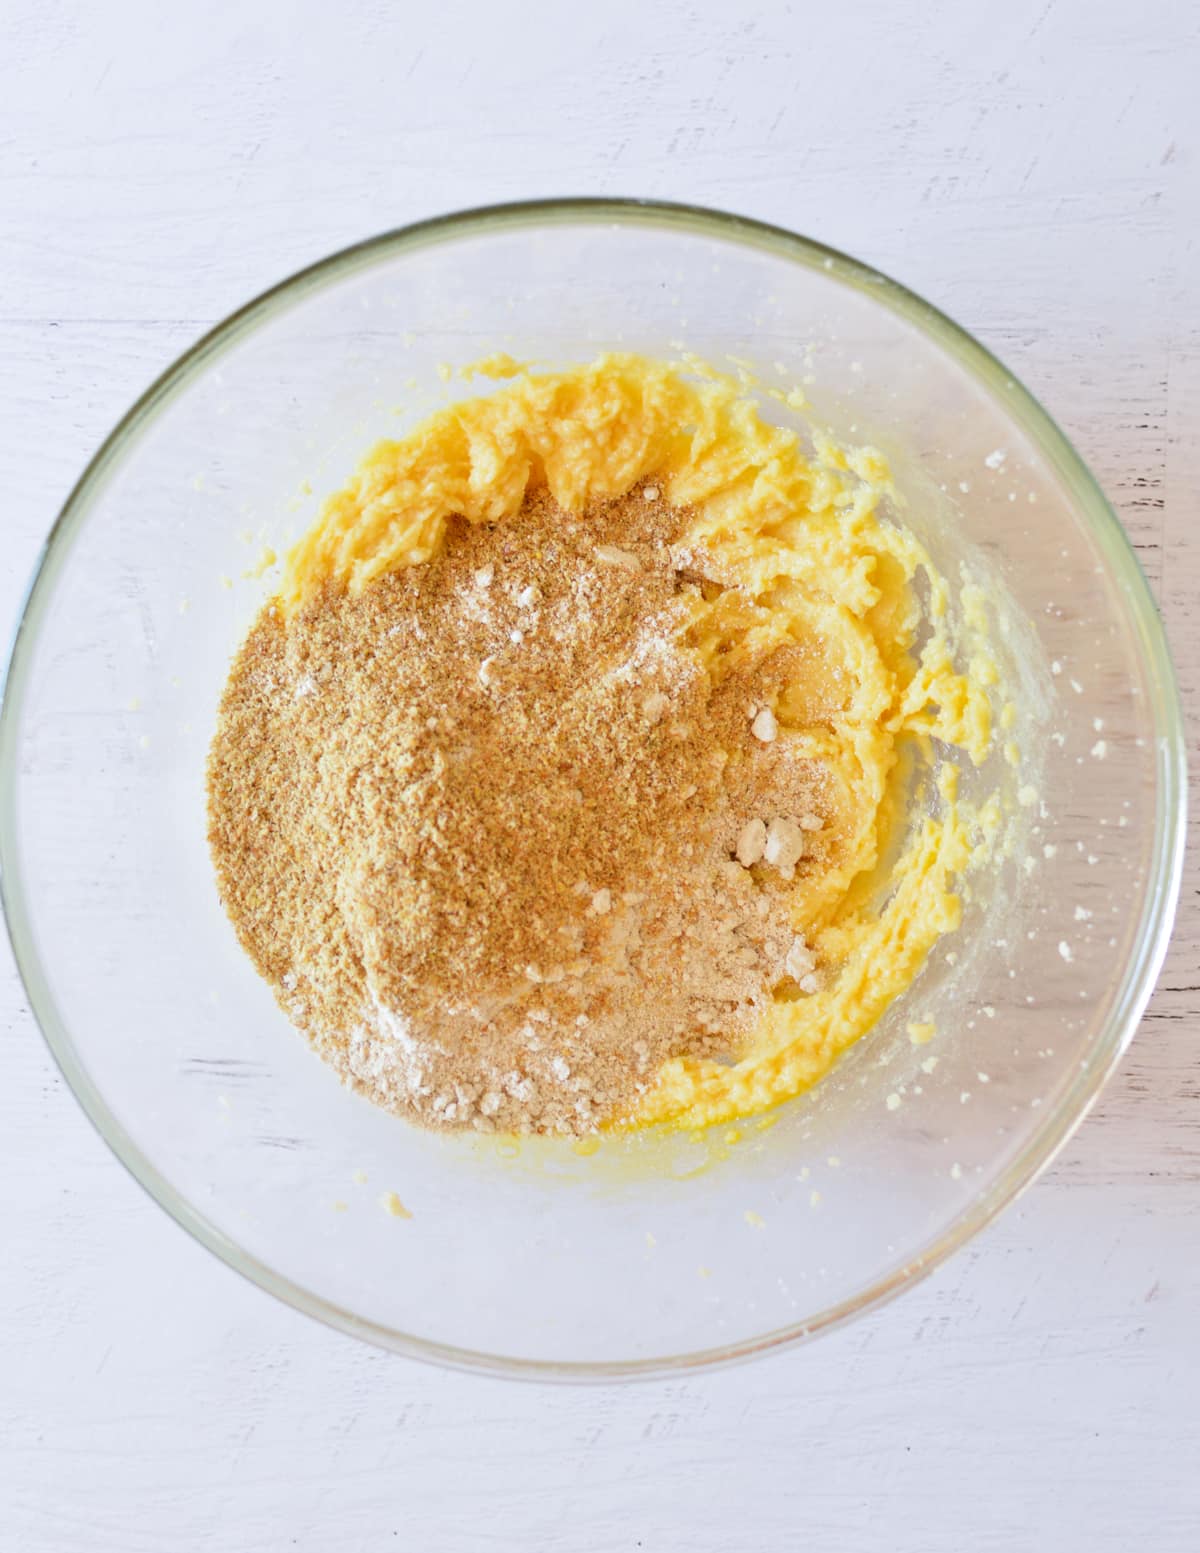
x=1030, y=167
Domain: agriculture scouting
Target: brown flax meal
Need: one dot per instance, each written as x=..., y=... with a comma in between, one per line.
x=479, y=825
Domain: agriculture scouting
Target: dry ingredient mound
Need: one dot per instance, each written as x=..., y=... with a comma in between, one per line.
x=494, y=836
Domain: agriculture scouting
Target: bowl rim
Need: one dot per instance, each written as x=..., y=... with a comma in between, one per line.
x=1158, y=907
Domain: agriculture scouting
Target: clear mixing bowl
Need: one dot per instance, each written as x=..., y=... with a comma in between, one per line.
x=653, y=1253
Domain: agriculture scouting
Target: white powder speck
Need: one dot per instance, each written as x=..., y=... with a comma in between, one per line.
x=1082, y=914
x=1064, y=949
x=1056, y=667
x=996, y=458
x=1076, y=687
x=764, y=727
x=1099, y=749
x=955, y=1172
x=1049, y=850
x=893, y=1102
x=385, y=1055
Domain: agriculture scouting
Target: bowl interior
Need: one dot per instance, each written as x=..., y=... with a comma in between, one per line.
x=651, y=1251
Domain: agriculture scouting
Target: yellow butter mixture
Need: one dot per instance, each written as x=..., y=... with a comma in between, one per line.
x=809, y=585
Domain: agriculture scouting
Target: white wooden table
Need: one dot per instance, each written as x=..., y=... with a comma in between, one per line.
x=1030, y=166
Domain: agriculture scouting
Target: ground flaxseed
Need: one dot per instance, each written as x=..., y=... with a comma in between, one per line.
x=495, y=837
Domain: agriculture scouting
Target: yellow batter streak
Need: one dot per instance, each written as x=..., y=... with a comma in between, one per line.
x=809, y=563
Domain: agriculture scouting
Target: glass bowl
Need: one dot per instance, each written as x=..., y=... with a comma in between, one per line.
x=654, y=1253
